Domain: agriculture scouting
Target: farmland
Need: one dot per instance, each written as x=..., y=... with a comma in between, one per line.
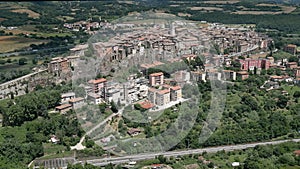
x=30, y=13
x=11, y=43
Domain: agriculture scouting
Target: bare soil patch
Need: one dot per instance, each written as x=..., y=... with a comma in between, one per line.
x=221, y=2
x=184, y=14
x=206, y=9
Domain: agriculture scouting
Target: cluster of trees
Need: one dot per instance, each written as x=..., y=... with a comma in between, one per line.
x=12, y=19
x=250, y=115
x=22, y=144
x=28, y=107
x=27, y=125
x=12, y=74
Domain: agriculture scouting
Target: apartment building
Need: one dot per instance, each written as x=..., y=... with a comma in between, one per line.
x=98, y=85
x=292, y=49
x=175, y=93
x=156, y=79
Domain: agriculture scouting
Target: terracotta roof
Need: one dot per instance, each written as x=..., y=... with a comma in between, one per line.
x=64, y=106
x=276, y=77
x=76, y=100
x=156, y=74
x=243, y=73
x=163, y=91
x=101, y=80
x=146, y=105
x=297, y=152
x=292, y=63
x=291, y=45
x=175, y=87
x=152, y=90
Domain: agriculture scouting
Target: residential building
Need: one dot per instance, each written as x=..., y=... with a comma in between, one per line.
x=189, y=57
x=63, y=108
x=98, y=85
x=292, y=65
x=59, y=65
x=297, y=72
x=163, y=97
x=113, y=95
x=242, y=75
x=94, y=98
x=229, y=74
x=297, y=81
x=156, y=79
x=198, y=76
x=292, y=49
x=175, y=93
x=276, y=78
x=65, y=97
x=251, y=64
x=134, y=131
x=77, y=102
x=152, y=95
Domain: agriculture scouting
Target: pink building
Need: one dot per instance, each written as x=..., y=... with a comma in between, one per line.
x=250, y=64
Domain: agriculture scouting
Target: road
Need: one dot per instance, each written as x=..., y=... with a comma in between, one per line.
x=79, y=145
x=125, y=159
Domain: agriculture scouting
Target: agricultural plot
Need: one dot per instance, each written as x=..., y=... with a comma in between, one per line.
x=11, y=43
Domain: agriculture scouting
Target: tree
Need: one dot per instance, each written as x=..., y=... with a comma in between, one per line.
x=282, y=101
x=113, y=107
x=293, y=59
x=34, y=61
x=22, y=61
x=102, y=107
x=297, y=94
x=109, y=166
x=162, y=159
x=236, y=64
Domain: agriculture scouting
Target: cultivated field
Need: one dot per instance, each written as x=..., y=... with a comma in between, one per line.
x=30, y=13
x=30, y=29
x=11, y=43
x=284, y=9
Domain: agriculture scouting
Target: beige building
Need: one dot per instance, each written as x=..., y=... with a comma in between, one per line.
x=292, y=49
x=175, y=93
x=163, y=97
x=159, y=97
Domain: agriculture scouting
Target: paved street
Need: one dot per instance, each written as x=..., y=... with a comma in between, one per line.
x=124, y=159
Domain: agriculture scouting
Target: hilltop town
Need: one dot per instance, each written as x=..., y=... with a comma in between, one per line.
x=134, y=77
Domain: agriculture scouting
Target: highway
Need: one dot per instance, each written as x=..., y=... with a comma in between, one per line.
x=137, y=157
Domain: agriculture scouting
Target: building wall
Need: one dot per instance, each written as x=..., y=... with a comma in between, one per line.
x=297, y=72
x=156, y=80
x=176, y=95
